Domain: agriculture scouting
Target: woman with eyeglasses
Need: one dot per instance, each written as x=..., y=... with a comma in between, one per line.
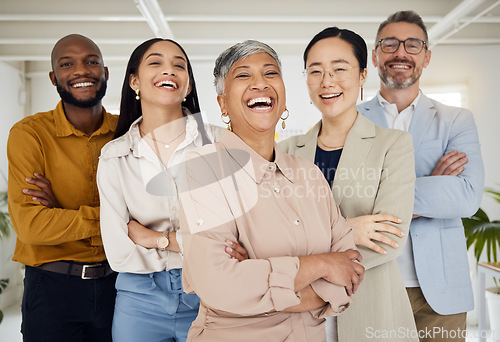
x=371, y=172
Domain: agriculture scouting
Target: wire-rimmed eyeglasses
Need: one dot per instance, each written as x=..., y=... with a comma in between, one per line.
x=412, y=46
x=315, y=74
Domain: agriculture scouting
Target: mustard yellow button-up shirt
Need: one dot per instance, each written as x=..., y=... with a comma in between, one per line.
x=48, y=144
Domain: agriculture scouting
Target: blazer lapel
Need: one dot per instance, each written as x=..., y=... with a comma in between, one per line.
x=374, y=111
x=422, y=118
x=356, y=148
x=306, y=144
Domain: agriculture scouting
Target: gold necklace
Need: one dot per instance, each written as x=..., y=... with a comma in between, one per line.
x=165, y=144
x=330, y=147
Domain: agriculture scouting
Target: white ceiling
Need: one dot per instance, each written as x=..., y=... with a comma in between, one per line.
x=29, y=28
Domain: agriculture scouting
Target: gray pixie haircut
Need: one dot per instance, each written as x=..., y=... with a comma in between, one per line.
x=233, y=54
x=410, y=17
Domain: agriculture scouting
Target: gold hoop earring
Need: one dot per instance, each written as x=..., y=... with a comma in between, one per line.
x=361, y=93
x=283, y=125
x=137, y=96
x=228, y=123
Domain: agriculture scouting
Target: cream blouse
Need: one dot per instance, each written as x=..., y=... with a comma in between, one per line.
x=278, y=211
x=126, y=167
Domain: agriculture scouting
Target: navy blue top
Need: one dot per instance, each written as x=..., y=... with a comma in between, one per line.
x=327, y=161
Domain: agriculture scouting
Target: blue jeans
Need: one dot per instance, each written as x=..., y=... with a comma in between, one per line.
x=61, y=308
x=152, y=307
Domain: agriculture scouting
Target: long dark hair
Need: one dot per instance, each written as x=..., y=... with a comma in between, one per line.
x=358, y=44
x=130, y=108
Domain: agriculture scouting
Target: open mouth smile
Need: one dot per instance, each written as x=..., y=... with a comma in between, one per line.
x=261, y=103
x=82, y=84
x=329, y=96
x=400, y=66
x=169, y=84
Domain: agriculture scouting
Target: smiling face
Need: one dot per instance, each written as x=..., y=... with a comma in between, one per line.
x=162, y=77
x=335, y=96
x=78, y=71
x=254, y=96
x=400, y=70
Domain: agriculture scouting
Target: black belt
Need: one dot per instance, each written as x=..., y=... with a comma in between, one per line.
x=91, y=271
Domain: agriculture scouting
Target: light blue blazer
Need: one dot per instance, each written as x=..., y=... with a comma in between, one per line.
x=438, y=240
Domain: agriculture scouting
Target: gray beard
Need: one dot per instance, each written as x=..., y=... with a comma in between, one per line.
x=393, y=84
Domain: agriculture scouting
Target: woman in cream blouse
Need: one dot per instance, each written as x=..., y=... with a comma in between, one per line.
x=138, y=178
x=301, y=265
x=374, y=178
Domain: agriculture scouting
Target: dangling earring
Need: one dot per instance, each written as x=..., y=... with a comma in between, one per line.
x=137, y=97
x=361, y=93
x=283, y=125
x=228, y=123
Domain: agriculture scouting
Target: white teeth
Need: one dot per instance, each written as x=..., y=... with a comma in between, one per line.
x=83, y=84
x=166, y=84
x=399, y=66
x=266, y=100
x=330, y=96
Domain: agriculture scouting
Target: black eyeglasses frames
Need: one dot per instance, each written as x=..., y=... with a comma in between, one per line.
x=412, y=46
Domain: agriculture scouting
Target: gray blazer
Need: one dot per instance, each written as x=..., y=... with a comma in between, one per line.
x=375, y=175
x=438, y=240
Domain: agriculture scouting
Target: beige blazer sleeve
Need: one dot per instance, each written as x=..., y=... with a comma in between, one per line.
x=395, y=196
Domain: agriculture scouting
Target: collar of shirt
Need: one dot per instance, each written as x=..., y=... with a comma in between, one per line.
x=64, y=128
x=140, y=148
x=258, y=165
x=395, y=119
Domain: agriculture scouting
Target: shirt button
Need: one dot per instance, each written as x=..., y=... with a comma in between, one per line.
x=277, y=190
x=272, y=167
x=199, y=222
x=296, y=222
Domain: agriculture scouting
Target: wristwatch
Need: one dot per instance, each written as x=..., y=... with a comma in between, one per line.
x=162, y=243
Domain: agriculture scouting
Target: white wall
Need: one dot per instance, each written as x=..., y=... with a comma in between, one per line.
x=12, y=88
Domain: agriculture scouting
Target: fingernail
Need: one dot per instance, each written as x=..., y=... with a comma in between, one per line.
x=399, y=220
x=402, y=234
x=396, y=245
x=230, y=243
x=25, y=191
x=229, y=249
x=33, y=198
x=384, y=252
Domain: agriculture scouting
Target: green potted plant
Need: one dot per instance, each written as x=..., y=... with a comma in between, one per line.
x=483, y=233
x=5, y=230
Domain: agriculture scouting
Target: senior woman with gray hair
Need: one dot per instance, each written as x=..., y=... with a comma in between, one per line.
x=302, y=264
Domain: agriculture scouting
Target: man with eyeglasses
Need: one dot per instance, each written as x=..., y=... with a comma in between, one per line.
x=450, y=178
